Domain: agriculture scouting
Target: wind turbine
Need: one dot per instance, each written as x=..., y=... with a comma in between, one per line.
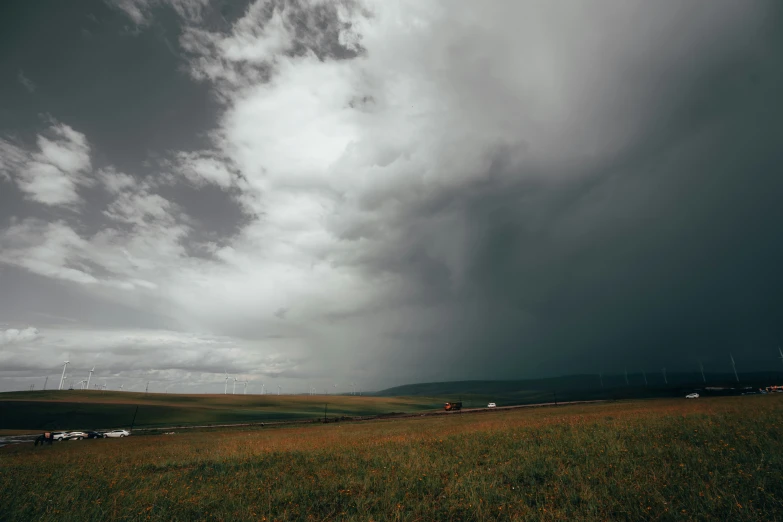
x=354, y=388
x=121, y=386
x=644, y=373
x=278, y=389
x=734, y=367
x=225, y=388
x=665, y=380
x=626, y=376
x=245, y=383
x=63, y=375
x=701, y=368
x=601, y=377
x=235, y=386
x=45, y=382
x=779, y=351
x=90, y=377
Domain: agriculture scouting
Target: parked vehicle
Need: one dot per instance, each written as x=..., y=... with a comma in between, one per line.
x=94, y=435
x=492, y=405
x=59, y=435
x=116, y=433
x=453, y=406
x=75, y=435
x=692, y=396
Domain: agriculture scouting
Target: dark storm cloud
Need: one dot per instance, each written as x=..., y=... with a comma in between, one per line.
x=665, y=252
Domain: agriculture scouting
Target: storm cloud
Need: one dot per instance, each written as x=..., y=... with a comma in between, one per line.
x=307, y=193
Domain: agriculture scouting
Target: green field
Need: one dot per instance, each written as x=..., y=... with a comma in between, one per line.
x=713, y=459
x=76, y=409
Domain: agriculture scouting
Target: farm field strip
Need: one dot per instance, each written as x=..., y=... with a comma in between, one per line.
x=96, y=410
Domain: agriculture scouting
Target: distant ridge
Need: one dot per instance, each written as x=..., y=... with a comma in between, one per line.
x=584, y=383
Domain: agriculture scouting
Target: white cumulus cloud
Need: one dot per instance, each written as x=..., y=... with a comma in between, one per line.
x=16, y=336
x=53, y=174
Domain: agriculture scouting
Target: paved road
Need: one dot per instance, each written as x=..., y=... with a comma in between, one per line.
x=31, y=438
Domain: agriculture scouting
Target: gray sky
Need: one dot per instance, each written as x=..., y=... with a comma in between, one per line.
x=310, y=193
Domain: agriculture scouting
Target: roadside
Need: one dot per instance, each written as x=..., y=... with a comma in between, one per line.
x=8, y=437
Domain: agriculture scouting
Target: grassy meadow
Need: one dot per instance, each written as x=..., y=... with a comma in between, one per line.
x=89, y=409
x=711, y=459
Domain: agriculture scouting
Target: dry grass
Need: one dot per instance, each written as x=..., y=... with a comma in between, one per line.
x=716, y=459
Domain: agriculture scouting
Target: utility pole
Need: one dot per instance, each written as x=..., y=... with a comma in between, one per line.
x=325, y=405
x=147, y=388
x=134, y=417
x=555, y=394
x=734, y=367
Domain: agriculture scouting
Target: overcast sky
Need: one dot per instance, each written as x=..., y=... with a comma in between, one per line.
x=316, y=193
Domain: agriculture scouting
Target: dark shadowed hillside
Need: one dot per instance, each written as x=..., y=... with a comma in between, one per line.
x=589, y=387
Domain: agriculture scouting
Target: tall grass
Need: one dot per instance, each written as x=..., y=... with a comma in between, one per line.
x=717, y=459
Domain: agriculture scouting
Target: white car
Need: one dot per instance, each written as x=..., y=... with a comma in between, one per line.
x=492, y=405
x=75, y=435
x=692, y=396
x=116, y=433
x=59, y=435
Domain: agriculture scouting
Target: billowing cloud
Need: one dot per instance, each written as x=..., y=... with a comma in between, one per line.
x=203, y=168
x=141, y=11
x=49, y=249
x=115, y=182
x=16, y=336
x=52, y=174
x=131, y=357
